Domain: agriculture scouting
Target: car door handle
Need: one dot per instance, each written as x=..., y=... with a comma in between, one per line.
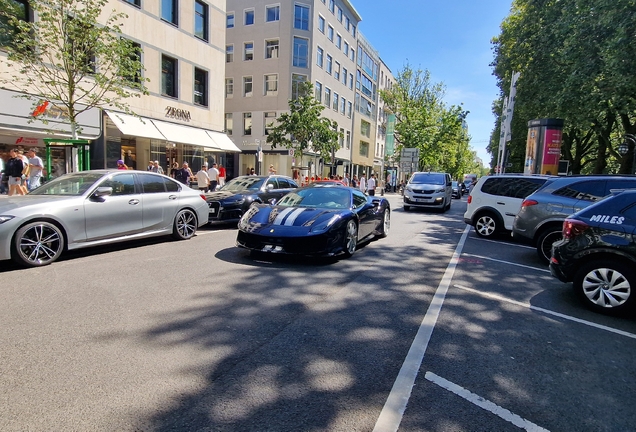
x=133, y=202
x=172, y=197
x=501, y=203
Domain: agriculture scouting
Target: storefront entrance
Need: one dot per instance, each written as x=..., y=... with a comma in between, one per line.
x=66, y=156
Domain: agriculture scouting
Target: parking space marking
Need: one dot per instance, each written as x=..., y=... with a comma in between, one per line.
x=507, y=262
x=395, y=405
x=547, y=311
x=504, y=242
x=484, y=403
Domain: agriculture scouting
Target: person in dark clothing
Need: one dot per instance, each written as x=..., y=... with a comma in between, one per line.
x=184, y=174
x=14, y=170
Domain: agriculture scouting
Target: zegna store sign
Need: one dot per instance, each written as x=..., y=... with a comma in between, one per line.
x=178, y=114
x=17, y=113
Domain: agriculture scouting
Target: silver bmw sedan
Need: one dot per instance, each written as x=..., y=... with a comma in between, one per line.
x=96, y=207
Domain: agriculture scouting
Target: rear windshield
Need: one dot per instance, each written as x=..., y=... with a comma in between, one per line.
x=428, y=178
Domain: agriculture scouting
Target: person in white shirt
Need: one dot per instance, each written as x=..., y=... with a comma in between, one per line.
x=363, y=184
x=213, y=173
x=36, y=166
x=371, y=185
x=202, y=179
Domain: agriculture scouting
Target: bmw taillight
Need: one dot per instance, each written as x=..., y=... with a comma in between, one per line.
x=529, y=202
x=470, y=199
x=203, y=196
x=573, y=228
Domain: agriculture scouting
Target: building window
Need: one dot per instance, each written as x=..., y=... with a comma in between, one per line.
x=134, y=76
x=229, y=87
x=168, y=76
x=229, y=123
x=330, y=33
x=169, y=11
x=301, y=52
x=297, y=80
x=247, y=86
x=247, y=123
x=339, y=14
x=271, y=48
x=365, y=128
x=344, y=76
x=229, y=20
x=201, y=20
x=336, y=99
x=336, y=71
x=347, y=23
x=249, y=17
x=271, y=84
x=364, y=149
x=353, y=30
x=327, y=96
x=301, y=17
x=348, y=139
x=349, y=109
x=269, y=118
x=318, y=89
x=342, y=105
x=272, y=13
x=338, y=41
x=352, y=54
x=332, y=5
x=321, y=24
x=329, y=64
x=346, y=48
x=248, y=51
x=319, y=56
x=351, y=80
x=132, y=2
x=200, y=87
x=229, y=53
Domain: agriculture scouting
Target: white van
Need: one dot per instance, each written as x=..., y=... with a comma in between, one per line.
x=428, y=190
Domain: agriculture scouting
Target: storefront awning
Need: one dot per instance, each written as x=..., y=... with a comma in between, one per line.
x=135, y=126
x=223, y=141
x=185, y=134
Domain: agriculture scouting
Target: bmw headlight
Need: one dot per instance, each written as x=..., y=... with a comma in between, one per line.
x=324, y=225
x=5, y=218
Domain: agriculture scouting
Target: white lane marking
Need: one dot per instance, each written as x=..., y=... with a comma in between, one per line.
x=393, y=410
x=483, y=403
x=281, y=216
x=292, y=217
x=547, y=311
x=504, y=242
x=508, y=262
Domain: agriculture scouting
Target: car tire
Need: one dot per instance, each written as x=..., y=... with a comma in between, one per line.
x=606, y=286
x=544, y=243
x=351, y=238
x=185, y=225
x=486, y=225
x=37, y=244
x=448, y=205
x=407, y=208
x=386, y=223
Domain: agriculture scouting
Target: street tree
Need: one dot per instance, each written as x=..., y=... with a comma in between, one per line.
x=303, y=129
x=72, y=56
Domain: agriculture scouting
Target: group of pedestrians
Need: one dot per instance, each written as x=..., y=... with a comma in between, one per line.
x=23, y=171
x=208, y=179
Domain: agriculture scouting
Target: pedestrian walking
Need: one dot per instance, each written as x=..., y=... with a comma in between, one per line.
x=203, y=179
x=222, y=175
x=371, y=185
x=213, y=174
x=363, y=184
x=36, y=167
x=14, y=170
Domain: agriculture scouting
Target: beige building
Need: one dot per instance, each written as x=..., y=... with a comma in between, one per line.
x=384, y=144
x=182, y=118
x=270, y=48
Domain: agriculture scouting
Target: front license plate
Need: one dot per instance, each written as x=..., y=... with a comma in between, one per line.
x=422, y=200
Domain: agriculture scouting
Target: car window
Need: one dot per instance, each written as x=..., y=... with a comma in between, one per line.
x=283, y=183
x=519, y=187
x=292, y=184
x=620, y=184
x=272, y=182
x=152, y=183
x=122, y=184
x=591, y=190
x=359, y=199
x=171, y=185
x=491, y=186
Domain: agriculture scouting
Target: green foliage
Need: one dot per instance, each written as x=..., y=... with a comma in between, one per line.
x=577, y=60
x=425, y=122
x=70, y=58
x=303, y=129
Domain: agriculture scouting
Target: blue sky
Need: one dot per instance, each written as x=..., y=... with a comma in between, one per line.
x=450, y=38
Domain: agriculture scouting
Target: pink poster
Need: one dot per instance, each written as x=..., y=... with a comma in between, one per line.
x=551, y=151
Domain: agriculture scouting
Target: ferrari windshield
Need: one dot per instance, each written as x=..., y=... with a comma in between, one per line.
x=318, y=197
x=428, y=178
x=245, y=183
x=74, y=184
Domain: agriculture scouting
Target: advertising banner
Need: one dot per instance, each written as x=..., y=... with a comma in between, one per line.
x=551, y=151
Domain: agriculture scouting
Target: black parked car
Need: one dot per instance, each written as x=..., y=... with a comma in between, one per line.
x=598, y=253
x=230, y=202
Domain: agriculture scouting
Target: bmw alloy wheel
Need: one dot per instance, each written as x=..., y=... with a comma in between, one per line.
x=351, y=238
x=185, y=225
x=38, y=244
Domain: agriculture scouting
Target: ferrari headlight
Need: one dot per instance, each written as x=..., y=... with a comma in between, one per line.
x=324, y=225
x=245, y=220
x=5, y=218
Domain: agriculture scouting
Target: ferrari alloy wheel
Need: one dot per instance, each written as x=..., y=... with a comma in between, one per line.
x=351, y=238
x=185, y=225
x=386, y=223
x=37, y=244
x=606, y=286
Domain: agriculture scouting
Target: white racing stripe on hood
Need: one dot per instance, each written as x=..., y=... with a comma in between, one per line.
x=281, y=216
x=292, y=217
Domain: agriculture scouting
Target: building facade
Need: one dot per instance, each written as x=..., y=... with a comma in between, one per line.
x=270, y=49
x=181, y=120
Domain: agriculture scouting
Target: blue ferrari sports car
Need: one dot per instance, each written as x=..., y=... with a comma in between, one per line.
x=319, y=219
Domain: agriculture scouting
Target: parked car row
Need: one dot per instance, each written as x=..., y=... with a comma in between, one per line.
x=579, y=224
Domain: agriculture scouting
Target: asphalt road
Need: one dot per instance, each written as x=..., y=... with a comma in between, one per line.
x=430, y=329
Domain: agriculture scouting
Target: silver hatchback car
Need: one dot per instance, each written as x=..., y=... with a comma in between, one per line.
x=91, y=208
x=428, y=190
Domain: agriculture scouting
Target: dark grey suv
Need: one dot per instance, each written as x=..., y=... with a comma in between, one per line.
x=541, y=217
